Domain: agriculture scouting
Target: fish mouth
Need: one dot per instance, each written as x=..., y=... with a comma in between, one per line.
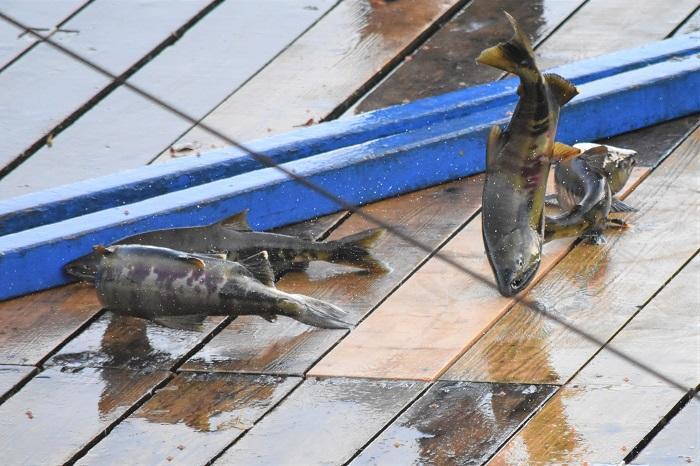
x=514, y=285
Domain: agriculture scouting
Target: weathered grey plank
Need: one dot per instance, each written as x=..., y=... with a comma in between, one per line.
x=114, y=34
x=612, y=404
x=322, y=422
x=126, y=130
x=190, y=420
x=44, y=15
x=10, y=376
x=457, y=423
x=59, y=411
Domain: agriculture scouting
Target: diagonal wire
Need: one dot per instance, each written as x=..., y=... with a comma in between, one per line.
x=269, y=162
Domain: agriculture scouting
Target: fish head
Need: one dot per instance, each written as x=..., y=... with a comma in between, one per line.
x=515, y=260
x=87, y=267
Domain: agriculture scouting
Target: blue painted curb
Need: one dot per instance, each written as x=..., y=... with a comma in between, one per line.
x=130, y=186
x=31, y=260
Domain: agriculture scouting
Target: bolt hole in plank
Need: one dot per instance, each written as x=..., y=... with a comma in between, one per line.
x=237, y=46
x=60, y=85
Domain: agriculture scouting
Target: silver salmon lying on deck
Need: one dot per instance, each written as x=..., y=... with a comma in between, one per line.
x=585, y=185
x=179, y=289
x=235, y=238
x=517, y=165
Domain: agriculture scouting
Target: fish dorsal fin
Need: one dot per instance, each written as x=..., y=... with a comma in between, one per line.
x=493, y=145
x=102, y=250
x=259, y=266
x=195, y=261
x=193, y=322
x=238, y=222
x=563, y=152
x=562, y=89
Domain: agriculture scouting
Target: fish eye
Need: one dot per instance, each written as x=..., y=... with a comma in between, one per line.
x=519, y=262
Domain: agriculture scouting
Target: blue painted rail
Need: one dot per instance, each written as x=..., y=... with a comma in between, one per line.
x=31, y=260
x=130, y=186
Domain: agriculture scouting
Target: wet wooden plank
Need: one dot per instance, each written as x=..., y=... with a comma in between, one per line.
x=11, y=376
x=130, y=342
x=677, y=443
x=32, y=326
x=440, y=65
x=595, y=288
x=597, y=28
x=43, y=15
x=59, y=85
x=322, y=422
x=289, y=347
x=190, y=420
x=455, y=423
x=611, y=405
x=354, y=42
x=58, y=412
x=418, y=331
x=102, y=141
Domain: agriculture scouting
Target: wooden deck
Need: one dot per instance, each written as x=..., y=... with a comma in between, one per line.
x=440, y=368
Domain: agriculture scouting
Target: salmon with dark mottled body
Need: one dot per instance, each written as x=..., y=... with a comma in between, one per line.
x=517, y=165
x=585, y=184
x=180, y=289
x=234, y=238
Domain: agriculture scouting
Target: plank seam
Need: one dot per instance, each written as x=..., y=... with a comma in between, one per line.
x=684, y=22
x=240, y=86
x=396, y=61
x=108, y=89
x=61, y=23
x=144, y=398
x=18, y=386
x=668, y=417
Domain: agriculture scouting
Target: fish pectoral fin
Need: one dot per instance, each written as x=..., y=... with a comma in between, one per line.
x=238, y=222
x=619, y=206
x=259, y=266
x=215, y=255
x=493, y=145
x=192, y=322
x=195, y=261
x=563, y=151
x=562, y=89
x=269, y=317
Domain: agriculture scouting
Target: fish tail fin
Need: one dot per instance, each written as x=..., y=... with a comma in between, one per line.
x=312, y=311
x=512, y=56
x=354, y=250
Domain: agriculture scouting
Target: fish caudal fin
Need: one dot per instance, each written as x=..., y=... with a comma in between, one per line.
x=512, y=56
x=354, y=250
x=317, y=313
x=619, y=206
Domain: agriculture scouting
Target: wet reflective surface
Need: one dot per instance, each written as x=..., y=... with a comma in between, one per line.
x=596, y=29
x=455, y=423
x=288, y=347
x=596, y=288
x=33, y=325
x=344, y=50
x=322, y=422
x=588, y=424
x=446, y=61
x=130, y=342
x=677, y=443
x=191, y=419
x=59, y=411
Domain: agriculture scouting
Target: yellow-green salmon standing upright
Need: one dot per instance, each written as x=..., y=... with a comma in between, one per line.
x=517, y=165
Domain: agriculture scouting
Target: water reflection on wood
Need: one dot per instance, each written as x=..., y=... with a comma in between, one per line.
x=190, y=420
